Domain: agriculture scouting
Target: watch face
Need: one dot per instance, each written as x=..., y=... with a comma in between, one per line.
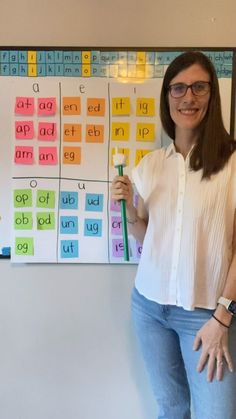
x=232, y=307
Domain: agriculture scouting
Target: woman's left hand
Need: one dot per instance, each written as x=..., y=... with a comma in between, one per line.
x=213, y=337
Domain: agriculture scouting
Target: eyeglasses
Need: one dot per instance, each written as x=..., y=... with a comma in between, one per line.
x=198, y=88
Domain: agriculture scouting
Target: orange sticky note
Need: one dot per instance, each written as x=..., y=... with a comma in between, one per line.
x=71, y=155
x=96, y=107
x=24, y=155
x=46, y=106
x=47, y=131
x=72, y=132
x=24, y=106
x=71, y=105
x=94, y=133
x=24, y=130
x=48, y=156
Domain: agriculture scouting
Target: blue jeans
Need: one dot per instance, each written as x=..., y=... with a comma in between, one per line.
x=166, y=334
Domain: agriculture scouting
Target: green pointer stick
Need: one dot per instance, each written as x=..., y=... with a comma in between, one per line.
x=119, y=163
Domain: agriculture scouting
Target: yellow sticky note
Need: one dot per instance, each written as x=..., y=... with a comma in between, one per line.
x=145, y=132
x=120, y=106
x=32, y=57
x=86, y=57
x=141, y=57
x=124, y=151
x=86, y=70
x=32, y=70
x=140, y=154
x=145, y=106
x=120, y=131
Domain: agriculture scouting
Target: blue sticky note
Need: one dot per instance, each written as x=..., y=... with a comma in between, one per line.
x=23, y=57
x=41, y=57
x=14, y=69
x=49, y=55
x=95, y=57
x=59, y=69
x=68, y=224
x=123, y=57
x=114, y=56
x=23, y=69
x=132, y=57
x=50, y=69
x=41, y=70
x=69, y=249
x=95, y=70
x=67, y=57
x=104, y=57
x=77, y=70
x=13, y=56
x=6, y=251
x=68, y=200
x=94, y=202
x=5, y=70
x=58, y=56
x=77, y=57
x=150, y=57
x=4, y=56
x=104, y=70
x=68, y=70
x=92, y=227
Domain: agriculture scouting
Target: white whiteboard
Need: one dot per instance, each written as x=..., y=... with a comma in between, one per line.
x=96, y=233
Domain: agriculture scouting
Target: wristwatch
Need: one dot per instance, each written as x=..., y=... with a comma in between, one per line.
x=230, y=305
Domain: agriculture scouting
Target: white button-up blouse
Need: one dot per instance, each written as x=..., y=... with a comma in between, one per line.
x=187, y=248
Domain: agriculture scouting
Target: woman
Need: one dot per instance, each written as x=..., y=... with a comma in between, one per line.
x=185, y=288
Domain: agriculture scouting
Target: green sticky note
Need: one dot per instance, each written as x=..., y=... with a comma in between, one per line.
x=22, y=198
x=24, y=246
x=45, y=221
x=45, y=199
x=23, y=221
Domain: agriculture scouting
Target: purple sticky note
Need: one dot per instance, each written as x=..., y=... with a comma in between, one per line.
x=138, y=249
x=114, y=206
x=116, y=226
x=117, y=248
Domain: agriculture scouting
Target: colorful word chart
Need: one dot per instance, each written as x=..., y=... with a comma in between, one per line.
x=64, y=111
x=64, y=136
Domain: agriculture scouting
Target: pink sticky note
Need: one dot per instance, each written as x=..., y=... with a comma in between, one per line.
x=24, y=155
x=47, y=131
x=48, y=155
x=24, y=130
x=46, y=106
x=24, y=106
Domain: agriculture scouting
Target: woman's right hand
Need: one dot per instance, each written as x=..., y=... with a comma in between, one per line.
x=121, y=188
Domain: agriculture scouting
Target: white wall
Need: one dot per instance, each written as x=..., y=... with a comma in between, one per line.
x=67, y=345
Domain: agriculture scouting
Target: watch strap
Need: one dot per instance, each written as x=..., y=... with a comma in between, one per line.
x=224, y=302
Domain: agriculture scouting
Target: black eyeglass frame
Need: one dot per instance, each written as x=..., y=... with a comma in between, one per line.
x=187, y=86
